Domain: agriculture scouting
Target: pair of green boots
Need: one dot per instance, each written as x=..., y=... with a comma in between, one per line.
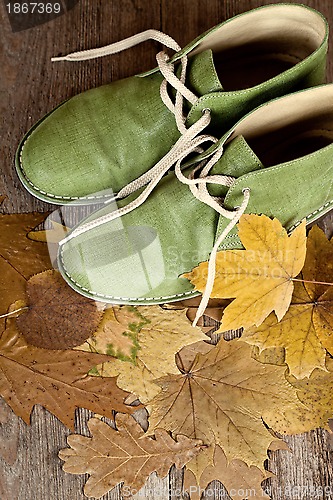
x=177, y=154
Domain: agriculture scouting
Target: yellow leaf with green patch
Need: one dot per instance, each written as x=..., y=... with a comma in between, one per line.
x=117, y=333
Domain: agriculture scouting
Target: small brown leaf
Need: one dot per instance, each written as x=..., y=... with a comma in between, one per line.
x=124, y=455
x=54, y=379
x=58, y=317
x=240, y=480
x=20, y=258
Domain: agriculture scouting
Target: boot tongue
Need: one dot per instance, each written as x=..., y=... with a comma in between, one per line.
x=201, y=74
x=238, y=159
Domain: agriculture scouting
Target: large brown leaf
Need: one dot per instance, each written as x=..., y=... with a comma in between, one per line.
x=124, y=455
x=259, y=278
x=20, y=258
x=54, y=379
x=223, y=399
x=57, y=317
x=306, y=331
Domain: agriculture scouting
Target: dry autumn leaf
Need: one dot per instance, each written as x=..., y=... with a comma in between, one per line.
x=214, y=309
x=240, y=481
x=54, y=379
x=315, y=392
x=57, y=317
x=124, y=455
x=20, y=258
x=259, y=278
x=330, y=438
x=270, y=356
x=186, y=356
x=54, y=235
x=198, y=464
x=160, y=335
x=223, y=399
x=117, y=333
x=306, y=331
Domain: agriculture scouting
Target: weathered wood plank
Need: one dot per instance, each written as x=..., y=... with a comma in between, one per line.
x=30, y=85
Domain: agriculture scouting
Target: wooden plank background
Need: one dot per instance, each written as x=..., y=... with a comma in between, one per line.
x=30, y=86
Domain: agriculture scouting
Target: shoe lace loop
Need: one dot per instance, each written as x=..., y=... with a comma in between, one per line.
x=189, y=142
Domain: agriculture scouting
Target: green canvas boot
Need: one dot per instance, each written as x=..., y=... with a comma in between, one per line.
x=93, y=145
x=277, y=160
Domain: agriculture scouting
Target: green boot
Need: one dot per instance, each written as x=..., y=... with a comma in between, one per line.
x=277, y=160
x=98, y=142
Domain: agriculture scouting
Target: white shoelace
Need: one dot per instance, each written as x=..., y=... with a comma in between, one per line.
x=189, y=142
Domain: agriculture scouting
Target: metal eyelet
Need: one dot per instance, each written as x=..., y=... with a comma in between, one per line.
x=203, y=111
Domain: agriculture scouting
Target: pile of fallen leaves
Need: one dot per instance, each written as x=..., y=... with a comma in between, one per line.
x=216, y=409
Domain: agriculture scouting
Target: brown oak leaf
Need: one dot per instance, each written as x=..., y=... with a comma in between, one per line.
x=124, y=455
x=20, y=258
x=54, y=379
x=57, y=317
x=259, y=278
x=306, y=331
x=223, y=399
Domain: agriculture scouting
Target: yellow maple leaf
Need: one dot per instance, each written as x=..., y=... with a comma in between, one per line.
x=259, y=278
x=306, y=331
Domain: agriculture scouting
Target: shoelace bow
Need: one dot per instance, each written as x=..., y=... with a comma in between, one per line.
x=189, y=142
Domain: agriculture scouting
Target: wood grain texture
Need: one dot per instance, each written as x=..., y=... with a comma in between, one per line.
x=30, y=86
